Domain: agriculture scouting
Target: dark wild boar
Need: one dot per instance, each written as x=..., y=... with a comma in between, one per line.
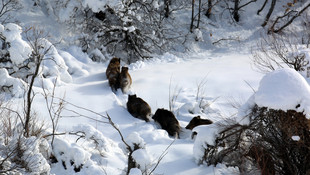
x=167, y=121
x=138, y=108
x=196, y=121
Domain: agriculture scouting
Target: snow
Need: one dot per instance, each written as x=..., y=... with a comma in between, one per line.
x=68, y=11
x=75, y=67
x=92, y=92
x=87, y=141
x=19, y=49
x=284, y=89
x=135, y=139
x=135, y=171
x=296, y=138
x=18, y=85
x=205, y=136
x=97, y=5
x=142, y=159
x=67, y=153
x=78, y=54
x=37, y=163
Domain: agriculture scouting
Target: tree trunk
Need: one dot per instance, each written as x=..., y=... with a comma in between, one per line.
x=262, y=8
x=167, y=11
x=29, y=96
x=199, y=10
x=208, y=14
x=273, y=4
x=192, y=19
x=236, y=11
x=291, y=20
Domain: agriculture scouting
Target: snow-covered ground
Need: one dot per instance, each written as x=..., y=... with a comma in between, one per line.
x=223, y=77
x=205, y=82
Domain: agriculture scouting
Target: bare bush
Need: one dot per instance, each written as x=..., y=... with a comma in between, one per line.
x=173, y=96
x=267, y=143
x=54, y=107
x=276, y=51
x=19, y=154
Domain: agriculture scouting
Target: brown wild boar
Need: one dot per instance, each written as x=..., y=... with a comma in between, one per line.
x=138, y=108
x=113, y=73
x=125, y=80
x=196, y=121
x=167, y=121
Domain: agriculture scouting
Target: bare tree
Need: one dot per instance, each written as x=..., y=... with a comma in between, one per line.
x=238, y=7
x=33, y=37
x=167, y=4
x=236, y=10
x=209, y=10
x=199, y=11
x=7, y=7
x=273, y=4
x=210, y=5
x=291, y=15
x=193, y=16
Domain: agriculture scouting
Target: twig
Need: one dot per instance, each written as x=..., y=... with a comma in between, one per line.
x=226, y=39
x=250, y=86
x=163, y=154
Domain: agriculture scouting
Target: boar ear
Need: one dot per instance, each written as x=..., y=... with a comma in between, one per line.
x=135, y=95
x=119, y=59
x=198, y=117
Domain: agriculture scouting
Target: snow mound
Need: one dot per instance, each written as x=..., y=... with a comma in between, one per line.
x=30, y=153
x=15, y=85
x=103, y=144
x=19, y=49
x=74, y=66
x=72, y=158
x=36, y=162
x=53, y=63
x=284, y=89
x=206, y=135
x=134, y=139
x=142, y=159
x=78, y=54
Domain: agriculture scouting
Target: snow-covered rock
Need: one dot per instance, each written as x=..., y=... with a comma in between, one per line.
x=284, y=89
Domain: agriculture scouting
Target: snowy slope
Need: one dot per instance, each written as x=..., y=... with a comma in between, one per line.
x=151, y=81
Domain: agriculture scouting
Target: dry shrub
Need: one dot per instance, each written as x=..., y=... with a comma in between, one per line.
x=266, y=143
x=20, y=154
x=276, y=51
